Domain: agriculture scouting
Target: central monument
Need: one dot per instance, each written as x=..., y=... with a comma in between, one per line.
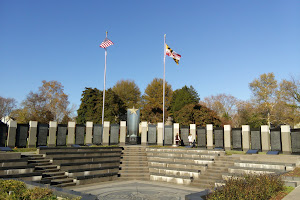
x=133, y=120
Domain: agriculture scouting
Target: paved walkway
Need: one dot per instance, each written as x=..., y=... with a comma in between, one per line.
x=140, y=190
x=294, y=195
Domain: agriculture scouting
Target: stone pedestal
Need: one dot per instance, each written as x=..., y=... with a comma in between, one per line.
x=265, y=138
x=144, y=133
x=122, y=133
x=246, y=137
x=106, y=127
x=71, y=133
x=227, y=137
x=32, y=134
x=160, y=134
x=12, y=131
x=52, y=134
x=286, y=139
x=176, y=131
x=89, y=133
x=209, y=132
x=193, y=131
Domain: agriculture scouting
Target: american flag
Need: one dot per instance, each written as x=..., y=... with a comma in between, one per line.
x=106, y=43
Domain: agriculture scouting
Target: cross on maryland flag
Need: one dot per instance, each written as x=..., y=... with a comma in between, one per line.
x=169, y=52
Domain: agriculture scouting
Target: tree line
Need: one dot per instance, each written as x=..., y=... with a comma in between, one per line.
x=272, y=103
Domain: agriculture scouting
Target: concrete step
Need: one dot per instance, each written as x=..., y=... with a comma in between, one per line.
x=193, y=151
x=16, y=170
x=56, y=173
x=200, y=167
x=175, y=172
x=203, y=185
x=47, y=170
x=62, y=180
x=41, y=167
x=183, y=160
x=265, y=165
x=56, y=177
x=170, y=179
x=181, y=155
x=59, y=161
x=247, y=170
x=81, y=154
x=91, y=172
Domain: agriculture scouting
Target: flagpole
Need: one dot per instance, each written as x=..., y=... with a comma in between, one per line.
x=104, y=85
x=164, y=82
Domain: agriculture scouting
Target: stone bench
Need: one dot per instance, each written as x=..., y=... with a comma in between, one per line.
x=181, y=160
x=183, y=155
x=78, y=160
x=183, y=150
x=16, y=170
x=185, y=180
x=9, y=155
x=176, y=172
x=266, y=165
x=87, y=165
x=160, y=164
x=81, y=154
x=43, y=150
x=91, y=171
x=13, y=162
x=33, y=176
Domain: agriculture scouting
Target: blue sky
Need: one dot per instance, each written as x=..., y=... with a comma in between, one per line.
x=224, y=44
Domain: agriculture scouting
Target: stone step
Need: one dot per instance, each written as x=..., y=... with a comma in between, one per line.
x=66, y=184
x=60, y=181
x=201, y=167
x=56, y=173
x=60, y=161
x=183, y=160
x=56, y=177
x=181, y=155
x=81, y=154
x=134, y=178
x=16, y=170
x=47, y=170
x=38, y=160
x=175, y=172
x=88, y=172
x=241, y=170
x=170, y=179
x=203, y=185
x=193, y=151
x=42, y=167
x=264, y=165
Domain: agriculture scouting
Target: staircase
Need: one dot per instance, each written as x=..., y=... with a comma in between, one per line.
x=134, y=164
x=51, y=174
x=214, y=172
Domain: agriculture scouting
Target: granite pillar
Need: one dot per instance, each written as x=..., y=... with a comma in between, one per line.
x=160, y=134
x=122, y=133
x=89, y=133
x=193, y=131
x=32, y=134
x=246, y=137
x=105, y=139
x=227, y=137
x=12, y=132
x=71, y=134
x=209, y=134
x=144, y=133
x=286, y=139
x=176, y=131
x=52, y=134
x=265, y=138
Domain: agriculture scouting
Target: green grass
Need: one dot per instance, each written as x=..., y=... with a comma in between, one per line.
x=230, y=152
x=24, y=149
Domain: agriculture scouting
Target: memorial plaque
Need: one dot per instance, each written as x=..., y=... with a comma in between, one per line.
x=295, y=137
x=152, y=134
x=184, y=133
x=275, y=138
x=97, y=134
x=21, y=135
x=219, y=137
x=114, y=133
x=236, y=138
x=79, y=134
x=168, y=135
x=255, y=139
x=42, y=134
x=61, y=134
x=3, y=132
x=201, y=137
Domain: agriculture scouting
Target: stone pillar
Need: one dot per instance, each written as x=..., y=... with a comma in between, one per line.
x=12, y=131
x=144, y=133
x=209, y=132
x=286, y=139
x=227, y=137
x=52, y=134
x=122, y=133
x=105, y=139
x=246, y=137
x=265, y=138
x=193, y=131
x=32, y=134
x=160, y=134
x=71, y=133
x=176, y=131
x=89, y=133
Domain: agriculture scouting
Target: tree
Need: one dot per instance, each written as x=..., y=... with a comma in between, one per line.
x=224, y=105
x=264, y=92
x=290, y=90
x=152, y=109
x=91, y=107
x=128, y=92
x=6, y=106
x=181, y=97
x=50, y=103
x=197, y=114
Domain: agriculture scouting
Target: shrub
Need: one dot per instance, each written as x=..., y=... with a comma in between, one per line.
x=252, y=187
x=17, y=187
x=39, y=193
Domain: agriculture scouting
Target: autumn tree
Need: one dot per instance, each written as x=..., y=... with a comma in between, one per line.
x=6, y=106
x=128, y=92
x=197, y=114
x=181, y=97
x=91, y=107
x=152, y=110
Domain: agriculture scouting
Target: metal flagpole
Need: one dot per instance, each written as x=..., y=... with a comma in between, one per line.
x=104, y=85
x=164, y=82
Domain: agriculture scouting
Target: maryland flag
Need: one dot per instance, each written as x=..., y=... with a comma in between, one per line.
x=169, y=52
